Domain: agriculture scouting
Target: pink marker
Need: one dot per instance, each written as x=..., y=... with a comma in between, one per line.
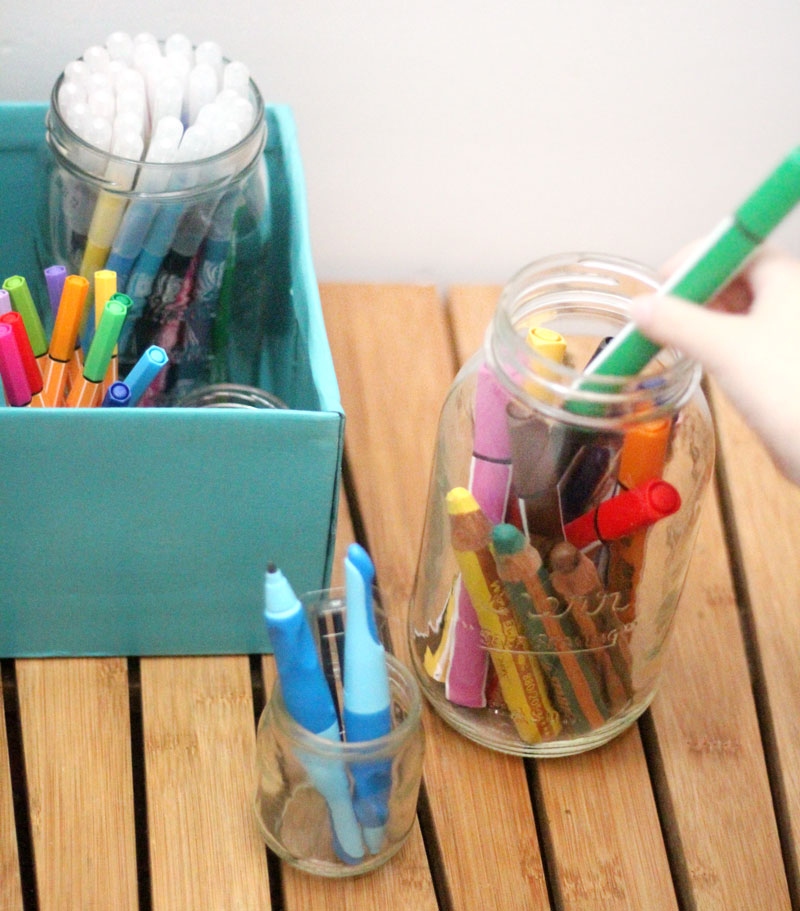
x=12, y=370
x=489, y=483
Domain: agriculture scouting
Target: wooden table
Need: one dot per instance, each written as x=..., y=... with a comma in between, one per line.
x=127, y=783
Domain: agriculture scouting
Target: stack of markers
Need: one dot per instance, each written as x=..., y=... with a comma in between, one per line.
x=174, y=136
x=59, y=372
x=549, y=541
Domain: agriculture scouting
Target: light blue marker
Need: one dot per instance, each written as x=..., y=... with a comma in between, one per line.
x=366, y=696
x=309, y=702
x=144, y=371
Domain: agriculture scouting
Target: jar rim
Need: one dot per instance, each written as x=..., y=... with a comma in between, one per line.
x=255, y=137
x=581, y=280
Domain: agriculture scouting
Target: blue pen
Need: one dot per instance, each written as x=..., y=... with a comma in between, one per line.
x=366, y=696
x=309, y=702
x=144, y=371
x=118, y=395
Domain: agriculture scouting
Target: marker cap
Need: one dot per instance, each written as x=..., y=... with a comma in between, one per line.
x=32, y=372
x=22, y=302
x=117, y=396
x=68, y=319
x=772, y=201
x=12, y=372
x=106, y=336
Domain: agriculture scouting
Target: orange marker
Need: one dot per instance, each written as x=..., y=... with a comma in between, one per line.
x=62, y=341
x=86, y=391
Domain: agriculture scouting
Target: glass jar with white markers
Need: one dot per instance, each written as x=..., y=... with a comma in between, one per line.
x=562, y=511
x=158, y=176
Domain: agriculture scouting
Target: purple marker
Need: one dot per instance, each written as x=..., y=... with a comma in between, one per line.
x=489, y=483
x=5, y=302
x=118, y=395
x=55, y=277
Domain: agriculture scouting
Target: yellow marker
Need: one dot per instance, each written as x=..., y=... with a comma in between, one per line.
x=62, y=340
x=551, y=345
x=105, y=286
x=521, y=681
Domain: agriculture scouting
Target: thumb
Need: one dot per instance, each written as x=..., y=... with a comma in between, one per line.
x=708, y=336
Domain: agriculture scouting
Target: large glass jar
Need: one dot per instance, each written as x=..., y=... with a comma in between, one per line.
x=560, y=518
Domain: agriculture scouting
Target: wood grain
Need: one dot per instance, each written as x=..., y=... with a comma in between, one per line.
x=601, y=815
x=199, y=745
x=766, y=510
x=399, y=334
x=76, y=735
x=10, y=885
x=710, y=743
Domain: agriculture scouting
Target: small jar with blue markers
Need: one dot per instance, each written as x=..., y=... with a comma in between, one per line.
x=562, y=513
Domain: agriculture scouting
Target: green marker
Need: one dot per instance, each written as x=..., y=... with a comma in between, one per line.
x=86, y=391
x=725, y=251
x=22, y=302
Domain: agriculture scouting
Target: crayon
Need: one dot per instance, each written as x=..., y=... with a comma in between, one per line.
x=573, y=577
x=574, y=680
x=624, y=514
x=521, y=679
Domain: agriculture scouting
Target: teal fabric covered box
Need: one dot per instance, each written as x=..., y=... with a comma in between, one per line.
x=147, y=531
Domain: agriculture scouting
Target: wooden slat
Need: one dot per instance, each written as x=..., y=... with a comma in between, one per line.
x=766, y=508
x=599, y=805
x=76, y=735
x=10, y=885
x=393, y=361
x=711, y=746
x=199, y=744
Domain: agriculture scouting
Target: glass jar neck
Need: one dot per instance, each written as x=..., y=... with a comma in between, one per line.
x=585, y=298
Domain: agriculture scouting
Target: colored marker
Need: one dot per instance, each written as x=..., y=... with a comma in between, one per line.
x=366, y=696
x=5, y=302
x=105, y=287
x=54, y=277
x=624, y=514
x=725, y=251
x=144, y=371
x=86, y=392
x=63, y=338
x=12, y=371
x=32, y=371
x=22, y=302
x=521, y=681
x=308, y=700
x=117, y=396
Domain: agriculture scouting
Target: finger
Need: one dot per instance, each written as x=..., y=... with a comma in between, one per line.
x=700, y=333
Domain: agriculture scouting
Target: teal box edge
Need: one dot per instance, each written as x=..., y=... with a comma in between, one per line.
x=147, y=532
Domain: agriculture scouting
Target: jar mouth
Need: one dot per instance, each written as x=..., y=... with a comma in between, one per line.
x=583, y=296
x=201, y=176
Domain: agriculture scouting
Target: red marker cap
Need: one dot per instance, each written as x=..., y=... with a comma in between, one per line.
x=32, y=371
x=624, y=514
x=15, y=383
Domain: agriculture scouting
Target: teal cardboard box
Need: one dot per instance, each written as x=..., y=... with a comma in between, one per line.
x=147, y=531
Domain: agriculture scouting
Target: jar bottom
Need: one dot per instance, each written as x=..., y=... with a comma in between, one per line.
x=495, y=730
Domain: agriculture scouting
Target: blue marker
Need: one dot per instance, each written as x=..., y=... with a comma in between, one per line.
x=144, y=371
x=308, y=700
x=118, y=395
x=366, y=696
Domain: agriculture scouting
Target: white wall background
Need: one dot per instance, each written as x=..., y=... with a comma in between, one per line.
x=456, y=140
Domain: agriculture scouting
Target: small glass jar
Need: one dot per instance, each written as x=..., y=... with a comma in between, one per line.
x=305, y=803
x=560, y=520
x=174, y=233
x=230, y=395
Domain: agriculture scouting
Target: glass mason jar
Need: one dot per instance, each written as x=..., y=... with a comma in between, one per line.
x=178, y=235
x=560, y=521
